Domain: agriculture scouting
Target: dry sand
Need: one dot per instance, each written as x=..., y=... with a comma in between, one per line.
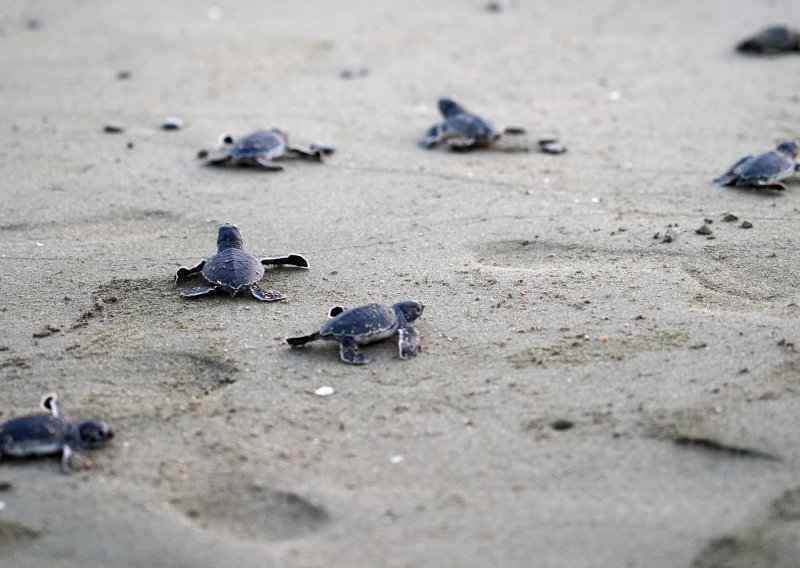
x=547, y=296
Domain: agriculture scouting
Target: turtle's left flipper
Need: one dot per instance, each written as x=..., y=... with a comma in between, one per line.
x=409, y=341
x=433, y=136
x=50, y=404
x=185, y=271
x=292, y=260
x=199, y=291
x=266, y=295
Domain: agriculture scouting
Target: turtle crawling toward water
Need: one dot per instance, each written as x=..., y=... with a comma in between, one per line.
x=765, y=170
x=260, y=149
x=366, y=324
x=51, y=433
x=774, y=40
x=463, y=130
x=232, y=269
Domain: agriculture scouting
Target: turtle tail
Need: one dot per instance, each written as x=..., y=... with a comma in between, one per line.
x=303, y=339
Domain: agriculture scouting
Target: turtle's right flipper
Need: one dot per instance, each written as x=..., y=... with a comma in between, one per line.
x=199, y=291
x=185, y=271
x=349, y=353
x=303, y=339
x=292, y=259
x=409, y=341
x=73, y=460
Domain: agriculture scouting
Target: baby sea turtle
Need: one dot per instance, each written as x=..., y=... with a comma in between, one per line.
x=765, y=170
x=260, y=149
x=232, y=269
x=463, y=130
x=777, y=39
x=42, y=434
x=366, y=324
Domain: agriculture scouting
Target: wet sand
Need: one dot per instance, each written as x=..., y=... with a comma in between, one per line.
x=587, y=394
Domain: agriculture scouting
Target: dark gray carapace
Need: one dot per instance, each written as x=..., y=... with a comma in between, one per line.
x=233, y=269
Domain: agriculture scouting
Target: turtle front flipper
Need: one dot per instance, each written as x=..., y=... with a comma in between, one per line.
x=349, y=352
x=292, y=260
x=335, y=311
x=266, y=295
x=50, y=404
x=433, y=136
x=409, y=341
x=773, y=185
x=312, y=153
x=199, y=291
x=185, y=271
x=462, y=144
x=74, y=460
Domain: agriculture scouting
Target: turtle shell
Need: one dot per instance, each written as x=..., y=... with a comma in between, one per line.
x=262, y=143
x=37, y=434
x=366, y=323
x=470, y=125
x=233, y=268
x=769, y=166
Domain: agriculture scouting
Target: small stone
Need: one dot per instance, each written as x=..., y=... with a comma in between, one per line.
x=704, y=230
x=324, y=391
x=354, y=73
x=746, y=225
x=729, y=217
x=669, y=235
x=562, y=424
x=394, y=460
x=113, y=128
x=172, y=123
x=124, y=75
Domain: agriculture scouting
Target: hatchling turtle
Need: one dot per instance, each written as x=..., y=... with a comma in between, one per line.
x=464, y=130
x=42, y=434
x=366, y=324
x=260, y=149
x=777, y=39
x=765, y=170
x=232, y=269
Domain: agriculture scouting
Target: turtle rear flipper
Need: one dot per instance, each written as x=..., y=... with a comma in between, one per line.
x=266, y=164
x=266, y=295
x=198, y=291
x=409, y=341
x=292, y=260
x=349, y=352
x=185, y=271
x=303, y=339
x=729, y=178
x=49, y=403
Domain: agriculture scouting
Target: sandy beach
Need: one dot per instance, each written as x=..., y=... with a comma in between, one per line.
x=587, y=395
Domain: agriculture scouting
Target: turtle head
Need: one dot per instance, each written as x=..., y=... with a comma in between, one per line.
x=789, y=148
x=448, y=107
x=409, y=309
x=229, y=237
x=93, y=433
